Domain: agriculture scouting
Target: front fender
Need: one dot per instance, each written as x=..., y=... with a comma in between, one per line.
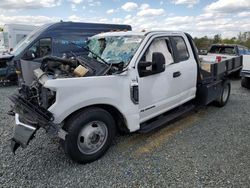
x=73, y=94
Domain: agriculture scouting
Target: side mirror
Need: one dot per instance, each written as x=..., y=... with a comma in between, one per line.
x=150, y=68
x=159, y=62
x=142, y=68
x=29, y=55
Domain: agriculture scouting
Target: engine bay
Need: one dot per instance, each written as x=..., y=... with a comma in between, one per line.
x=82, y=66
x=35, y=75
x=52, y=67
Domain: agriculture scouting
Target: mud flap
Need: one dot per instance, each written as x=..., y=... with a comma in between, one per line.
x=22, y=135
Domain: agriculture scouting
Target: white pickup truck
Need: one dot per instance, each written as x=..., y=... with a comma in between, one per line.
x=128, y=82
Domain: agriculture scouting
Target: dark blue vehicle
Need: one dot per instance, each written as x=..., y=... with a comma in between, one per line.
x=52, y=39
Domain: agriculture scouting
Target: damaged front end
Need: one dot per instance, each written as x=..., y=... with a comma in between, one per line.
x=33, y=99
x=29, y=117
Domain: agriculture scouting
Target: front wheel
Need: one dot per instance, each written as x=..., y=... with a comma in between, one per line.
x=90, y=134
x=224, y=96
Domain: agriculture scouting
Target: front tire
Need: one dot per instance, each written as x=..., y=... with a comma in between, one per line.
x=225, y=94
x=90, y=134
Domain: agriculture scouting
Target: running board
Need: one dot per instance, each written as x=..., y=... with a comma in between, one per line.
x=162, y=120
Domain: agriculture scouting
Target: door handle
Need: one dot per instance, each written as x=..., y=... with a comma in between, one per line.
x=176, y=74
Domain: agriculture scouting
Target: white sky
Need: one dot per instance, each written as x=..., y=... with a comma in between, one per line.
x=198, y=17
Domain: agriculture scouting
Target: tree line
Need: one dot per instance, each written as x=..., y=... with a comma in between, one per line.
x=203, y=43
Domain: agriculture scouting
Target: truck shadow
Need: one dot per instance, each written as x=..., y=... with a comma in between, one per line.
x=139, y=144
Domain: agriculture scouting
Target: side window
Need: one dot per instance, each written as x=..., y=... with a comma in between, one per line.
x=41, y=48
x=157, y=56
x=159, y=45
x=180, y=49
x=70, y=43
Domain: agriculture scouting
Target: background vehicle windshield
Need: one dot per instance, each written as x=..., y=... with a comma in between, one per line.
x=24, y=43
x=115, y=49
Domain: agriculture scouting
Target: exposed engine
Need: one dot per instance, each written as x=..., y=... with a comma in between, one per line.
x=32, y=89
x=55, y=67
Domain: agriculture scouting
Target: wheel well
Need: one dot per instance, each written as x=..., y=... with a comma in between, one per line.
x=120, y=121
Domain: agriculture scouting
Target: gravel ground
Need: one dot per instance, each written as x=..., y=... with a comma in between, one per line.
x=210, y=148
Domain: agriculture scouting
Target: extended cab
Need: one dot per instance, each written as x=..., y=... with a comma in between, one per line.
x=129, y=82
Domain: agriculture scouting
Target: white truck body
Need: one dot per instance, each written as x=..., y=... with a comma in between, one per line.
x=12, y=34
x=162, y=74
x=114, y=90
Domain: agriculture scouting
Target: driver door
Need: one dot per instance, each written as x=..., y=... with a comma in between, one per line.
x=160, y=92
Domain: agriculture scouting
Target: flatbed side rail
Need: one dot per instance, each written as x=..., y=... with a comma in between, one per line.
x=234, y=64
x=218, y=71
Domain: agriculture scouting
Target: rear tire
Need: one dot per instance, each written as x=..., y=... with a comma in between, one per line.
x=90, y=134
x=245, y=82
x=225, y=94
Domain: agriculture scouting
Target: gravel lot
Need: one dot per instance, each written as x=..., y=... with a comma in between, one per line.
x=210, y=148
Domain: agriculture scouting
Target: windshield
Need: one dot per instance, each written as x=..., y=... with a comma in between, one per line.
x=115, y=49
x=24, y=43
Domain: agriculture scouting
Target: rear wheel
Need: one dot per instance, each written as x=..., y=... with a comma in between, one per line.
x=224, y=96
x=90, y=134
x=245, y=82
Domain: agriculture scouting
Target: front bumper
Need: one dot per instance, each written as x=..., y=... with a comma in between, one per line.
x=29, y=118
x=23, y=133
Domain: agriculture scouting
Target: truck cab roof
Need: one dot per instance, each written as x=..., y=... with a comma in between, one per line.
x=132, y=33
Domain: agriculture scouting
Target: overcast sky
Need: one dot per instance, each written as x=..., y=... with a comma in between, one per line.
x=198, y=17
